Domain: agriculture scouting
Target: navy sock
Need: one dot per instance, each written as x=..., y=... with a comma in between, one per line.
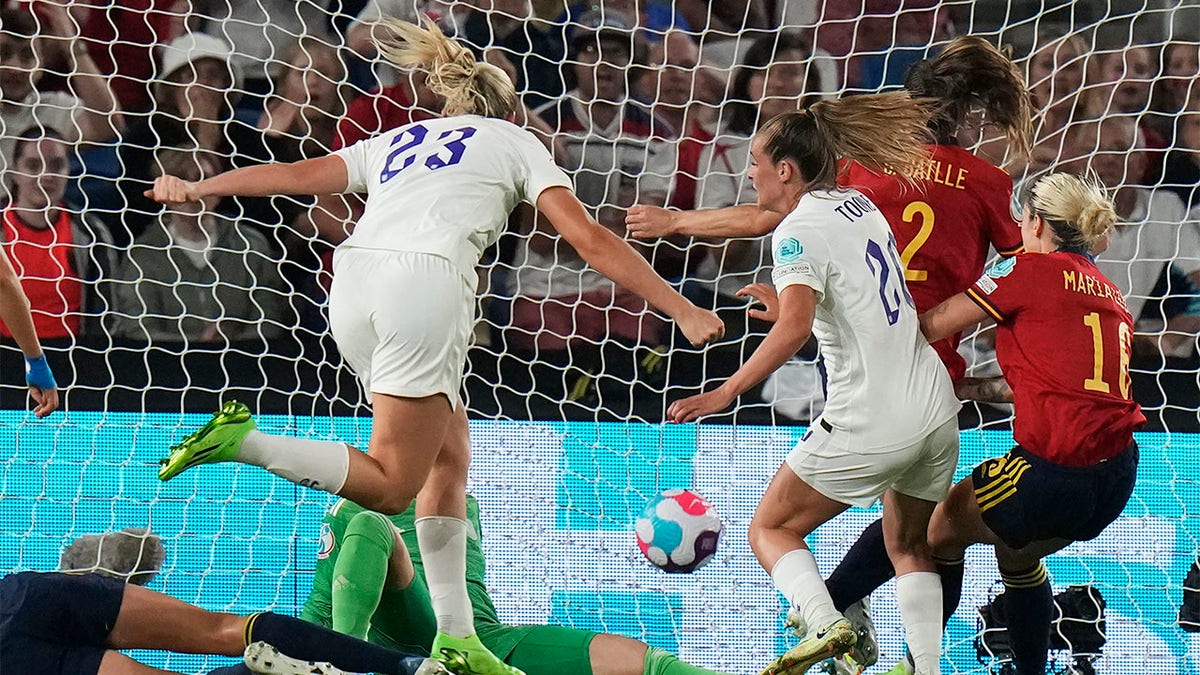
x=865, y=568
x=239, y=669
x=1030, y=608
x=951, y=572
x=310, y=642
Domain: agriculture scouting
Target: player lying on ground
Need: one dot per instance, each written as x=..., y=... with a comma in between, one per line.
x=889, y=429
x=370, y=583
x=14, y=313
x=1063, y=342
x=402, y=305
x=74, y=622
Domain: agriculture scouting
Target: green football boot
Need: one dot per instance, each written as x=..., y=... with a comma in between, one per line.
x=217, y=441
x=831, y=641
x=468, y=656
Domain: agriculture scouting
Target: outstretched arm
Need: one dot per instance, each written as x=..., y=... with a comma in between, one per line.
x=951, y=317
x=615, y=258
x=14, y=311
x=797, y=307
x=652, y=222
x=319, y=176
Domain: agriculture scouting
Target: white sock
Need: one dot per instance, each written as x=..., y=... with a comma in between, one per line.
x=443, y=544
x=321, y=465
x=796, y=576
x=919, y=595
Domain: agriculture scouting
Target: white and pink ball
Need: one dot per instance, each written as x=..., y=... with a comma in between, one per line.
x=678, y=531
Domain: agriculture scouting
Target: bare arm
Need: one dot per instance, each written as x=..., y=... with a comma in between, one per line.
x=651, y=222
x=616, y=259
x=14, y=310
x=100, y=115
x=985, y=389
x=797, y=307
x=323, y=175
x=951, y=317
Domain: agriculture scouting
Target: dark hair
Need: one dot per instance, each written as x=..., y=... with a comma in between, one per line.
x=18, y=23
x=742, y=115
x=884, y=131
x=971, y=72
x=30, y=136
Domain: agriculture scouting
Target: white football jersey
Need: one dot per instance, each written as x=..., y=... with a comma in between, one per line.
x=446, y=186
x=886, y=384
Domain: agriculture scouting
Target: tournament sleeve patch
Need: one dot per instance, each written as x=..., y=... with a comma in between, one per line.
x=788, y=250
x=1002, y=268
x=986, y=284
x=802, y=268
x=327, y=542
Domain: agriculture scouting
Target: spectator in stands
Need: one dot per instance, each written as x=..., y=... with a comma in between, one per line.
x=773, y=79
x=91, y=114
x=197, y=277
x=1154, y=233
x=685, y=95
x=258, y=33
x=862, y=34
x=535, y=47
x=121, y=38
x=194, y=98
x=1056, y=74
x=1122, y=79
x=1181, y=171
x=1180, y=73
x=613, y=148
x=64, y=258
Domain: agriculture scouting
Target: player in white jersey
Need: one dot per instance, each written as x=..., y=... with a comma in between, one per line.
x=889, y=429
x=402, y=306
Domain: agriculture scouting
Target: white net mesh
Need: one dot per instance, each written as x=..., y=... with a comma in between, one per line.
x=151, y=317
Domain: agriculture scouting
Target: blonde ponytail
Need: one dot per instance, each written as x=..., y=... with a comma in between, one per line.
x=469, y=87
x=1078, y=210
x=885, y=131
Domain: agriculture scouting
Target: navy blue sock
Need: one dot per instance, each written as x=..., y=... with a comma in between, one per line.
x=310, y=642
x=1030, y=608
x=239, y=669
x=865, y=568
x=951, y=572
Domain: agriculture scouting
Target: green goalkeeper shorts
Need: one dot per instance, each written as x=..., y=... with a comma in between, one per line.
x=545, y=650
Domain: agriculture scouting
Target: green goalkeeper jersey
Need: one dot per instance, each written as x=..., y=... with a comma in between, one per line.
x=404, y=619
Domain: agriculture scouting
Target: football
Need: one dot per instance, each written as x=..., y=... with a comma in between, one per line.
x=678, y=531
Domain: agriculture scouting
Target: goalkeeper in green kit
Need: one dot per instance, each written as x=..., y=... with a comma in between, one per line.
x=370, y=584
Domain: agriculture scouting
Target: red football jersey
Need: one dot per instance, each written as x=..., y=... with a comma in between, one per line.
x=944, y=226
x=1064, y=340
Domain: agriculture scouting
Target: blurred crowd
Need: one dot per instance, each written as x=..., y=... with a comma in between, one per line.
x=642, y=102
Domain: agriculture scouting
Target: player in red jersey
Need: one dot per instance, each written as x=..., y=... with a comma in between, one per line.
x=945, y=223
x=1064, y=342
x=943, y=226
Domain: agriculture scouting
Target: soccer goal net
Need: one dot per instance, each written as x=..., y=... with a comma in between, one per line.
x=151, y=317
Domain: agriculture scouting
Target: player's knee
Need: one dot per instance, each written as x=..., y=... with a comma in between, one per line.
x=757, y=533
x=372, y=526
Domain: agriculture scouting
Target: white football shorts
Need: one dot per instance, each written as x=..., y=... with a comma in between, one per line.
x=835, y=465
x=402, y=320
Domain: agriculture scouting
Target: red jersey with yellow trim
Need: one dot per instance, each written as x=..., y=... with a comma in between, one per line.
x=1064, y=340
x=944, y=227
